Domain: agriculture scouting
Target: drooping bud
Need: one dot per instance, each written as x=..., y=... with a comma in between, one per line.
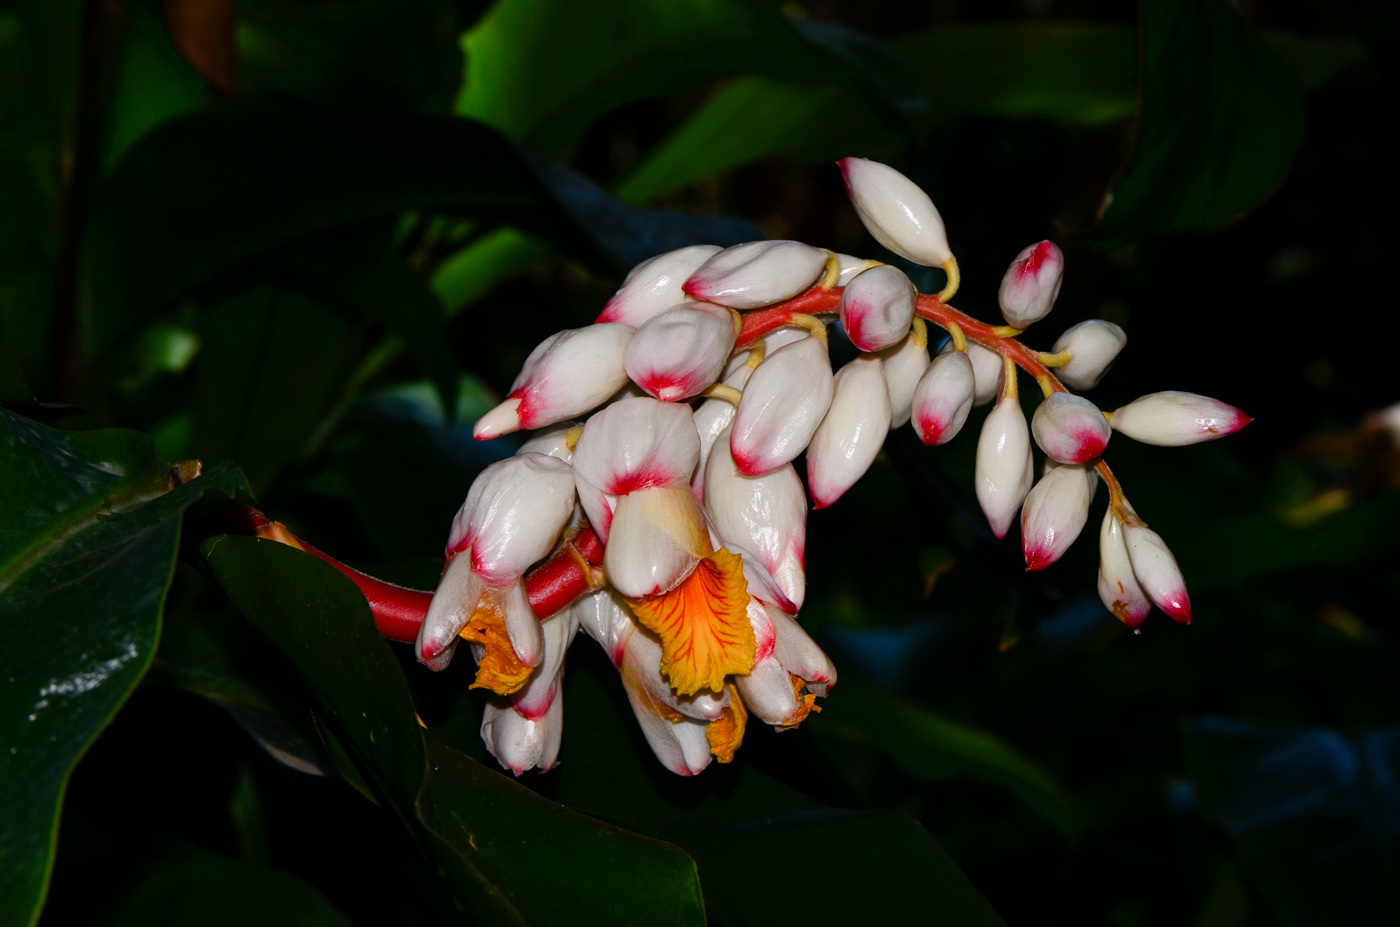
x=654, y=285
x=1173, y=418
x=1069, y=428
x=1156, y=570
x=513, y=515
x=905, y=364
x=986, y=370
x=757, y=274
x=1004, y=468
x=544, y=683
x=853, y=431
x=1031, y=284
x=1092, y=347
x=765, y=515
x=783, y=404
x=681, y=352
x=943, y=398
x=1118, y=587
x=519, y=743
x=851, y=267
x=604, y=616
x=1055, y=513
x=567, y=375
x=877, y=308
x=657, y=537
x=896, y=212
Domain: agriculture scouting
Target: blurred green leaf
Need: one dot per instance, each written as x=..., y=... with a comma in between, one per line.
x=739, y=824
x=13, y=388
x=930, y=747
x=88, y=546
x=1221, y=115
x=487, y=833
x=474, y=271
x=195, y=888
x=1317, y=59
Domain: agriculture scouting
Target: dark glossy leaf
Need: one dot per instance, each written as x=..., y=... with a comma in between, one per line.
x=487, y=834
x=154, y=83
x=1314, y=813
x=742, y=826
x=199, y=889
x=1221, y=115
x=90, y=538
x=930, y=747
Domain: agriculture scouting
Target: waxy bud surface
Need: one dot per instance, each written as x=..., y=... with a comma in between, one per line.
x=1118, y=586
x=1004, y=468
x=1031, y=283
x=783, y=404
x=681, y=352
x=943, y=398
x=1092, y=345
x=654, y=285
x=1070, y=429
x=1054, y=514
x=757, y=274
x=877, y=308
x=904, y=366
x=852, y=433
x=1156, y=571
x=1172, y=418
x=848, y=268
x=519, y=743
x=896, y=212
x=986, y=370
x=514, y=512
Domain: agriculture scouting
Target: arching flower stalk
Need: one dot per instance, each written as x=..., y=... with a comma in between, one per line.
x=682, y=486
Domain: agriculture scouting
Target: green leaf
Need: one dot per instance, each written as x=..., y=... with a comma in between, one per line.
x=1073, y=73
x=931, y=747
x=487, y=835
x=1317, y=60
x=13, y=387
x=742, y=827
x=1221, y=115
x=195, y=888
x=88, y=546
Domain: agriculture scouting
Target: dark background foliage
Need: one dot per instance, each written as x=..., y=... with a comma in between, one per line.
x=316, y=239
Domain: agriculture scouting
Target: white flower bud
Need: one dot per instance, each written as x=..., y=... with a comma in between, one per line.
x=656, y=538
x=1070, y=428
x=637, y=443
x=1118, y=587
x=1172, y=418
x=1031, y=284
x=757, y=274
x=853, y=431
x=553, y=441
x=654, y=285
x=943, y=398
x=783, y=404
x=896, y=212
x=567, y=375
x=986, y=371
x=681, y=352
x=877, y=308
x=605, y=617
x=542, y=688
x=1156, y=571
x=851, y=267
x=905, y=364
x=1004, y=468
x=1055, y=513
x=1092, y=347
x=519, y=743
x=513, y=515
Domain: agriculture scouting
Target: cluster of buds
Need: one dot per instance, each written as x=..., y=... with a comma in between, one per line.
x=667, y=431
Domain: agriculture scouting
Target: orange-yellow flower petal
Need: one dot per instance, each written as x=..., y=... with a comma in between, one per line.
x=499, y=668
x=806, y=704
x=726, y=734
x=703, y=625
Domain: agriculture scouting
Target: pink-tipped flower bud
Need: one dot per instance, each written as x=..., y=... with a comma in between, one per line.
x=1092, y=347
x=877, y=308
x=1070, y=428
x=543, y=686
x=567, y=375
x=848, y=268
x=513, y=515
x=1055, y=513
x=681, y=352
x=1172, y=418
x=783, y=404
x=943, y=398
x=1031, y=284
x=853, y=431
x=1118, y=586
x=757, y=274
x=654, y=285
x=605, y=617
x=1156, y=570
x=637, y=443
x=904, y=366
x=765, y=515
x=519, y=743
x=896, y=212
x=1004, y=468
x=986, y=371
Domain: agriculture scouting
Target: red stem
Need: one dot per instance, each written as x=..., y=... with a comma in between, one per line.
x=398, y=610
